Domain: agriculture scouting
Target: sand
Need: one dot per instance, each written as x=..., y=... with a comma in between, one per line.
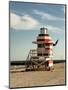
x=38, y=78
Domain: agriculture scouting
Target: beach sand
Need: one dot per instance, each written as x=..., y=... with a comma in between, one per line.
x=38, y=78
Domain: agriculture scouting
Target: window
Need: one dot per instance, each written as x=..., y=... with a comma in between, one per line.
x=40, y=45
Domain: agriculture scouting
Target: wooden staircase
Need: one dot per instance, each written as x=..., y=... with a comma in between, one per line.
x=34, y=60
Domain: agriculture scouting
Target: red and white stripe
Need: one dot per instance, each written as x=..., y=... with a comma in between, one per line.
x=44, y=37
x=50, y=63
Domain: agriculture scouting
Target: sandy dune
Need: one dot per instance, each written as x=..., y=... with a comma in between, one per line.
x=38, y=78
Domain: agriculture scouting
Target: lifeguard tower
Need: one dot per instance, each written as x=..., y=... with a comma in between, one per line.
x=42, y=56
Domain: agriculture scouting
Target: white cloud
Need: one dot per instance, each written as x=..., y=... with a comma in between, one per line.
x=24, y=22
x=47, y=15
x=54, y=29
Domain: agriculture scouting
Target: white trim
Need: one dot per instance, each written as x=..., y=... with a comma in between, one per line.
x=44, y=37
x=50, y=64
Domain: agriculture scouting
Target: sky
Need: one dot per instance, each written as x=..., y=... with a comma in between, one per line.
x=26, y=19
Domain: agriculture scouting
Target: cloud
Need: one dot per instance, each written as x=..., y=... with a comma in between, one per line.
x=47, y=15
x=54, y=29
x=24, y=22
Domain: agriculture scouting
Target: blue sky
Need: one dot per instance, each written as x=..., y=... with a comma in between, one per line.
x=25, y=22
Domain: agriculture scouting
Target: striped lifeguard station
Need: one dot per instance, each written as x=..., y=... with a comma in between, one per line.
x=44, y=52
